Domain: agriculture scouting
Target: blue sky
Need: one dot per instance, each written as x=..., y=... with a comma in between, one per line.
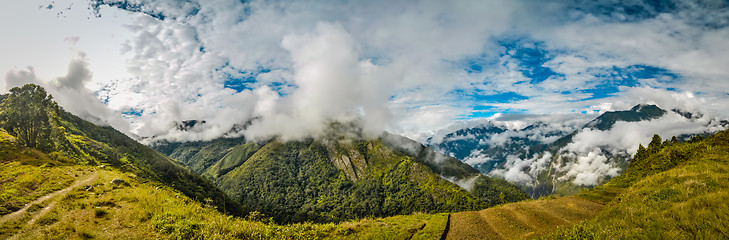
x=410, y=67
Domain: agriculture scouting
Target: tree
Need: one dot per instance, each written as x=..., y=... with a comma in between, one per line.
x=31, y=115
x=655, y=145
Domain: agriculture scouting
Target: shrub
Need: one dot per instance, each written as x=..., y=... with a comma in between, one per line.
x=100, y=212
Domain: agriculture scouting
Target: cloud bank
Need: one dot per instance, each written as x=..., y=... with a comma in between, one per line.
x=409, y=67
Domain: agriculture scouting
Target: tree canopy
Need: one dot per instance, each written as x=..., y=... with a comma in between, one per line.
x=30, y=114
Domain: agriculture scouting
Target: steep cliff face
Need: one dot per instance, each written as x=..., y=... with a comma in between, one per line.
x=350, y=161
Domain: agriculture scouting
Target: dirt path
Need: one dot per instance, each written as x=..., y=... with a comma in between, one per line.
x=520, y=220
x=20, y=213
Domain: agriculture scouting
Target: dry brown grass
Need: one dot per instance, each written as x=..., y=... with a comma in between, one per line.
x=521, y=220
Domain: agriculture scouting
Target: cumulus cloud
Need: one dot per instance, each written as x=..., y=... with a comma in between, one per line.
x=523, y=171
x=403, y=67
x=589, y=169
x=624, y=137
x=591, y=153
x=477, y=158
x=466, y=183
x=333, y=85
x=71, y=93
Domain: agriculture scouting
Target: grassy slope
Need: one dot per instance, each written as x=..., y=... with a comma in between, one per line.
x=679, y=192
x=521, y=220
x=231, y=160
x=25, y=174
x=143, y=209
x=105, y=145
x=152, y=211
x=199, y=155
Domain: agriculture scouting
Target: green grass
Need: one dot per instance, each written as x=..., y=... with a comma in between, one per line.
x=22, y=184
x=26, y=174
x=522, y=219
x=153, y=211
x=678, y=192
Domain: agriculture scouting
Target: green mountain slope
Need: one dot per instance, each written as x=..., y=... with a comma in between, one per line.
x=670, y=191
x=65, y=200
x=36, y=122
x=198, y=156
x=342, y=176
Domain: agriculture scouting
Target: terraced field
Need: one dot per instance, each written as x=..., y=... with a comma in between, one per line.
x=521, y=220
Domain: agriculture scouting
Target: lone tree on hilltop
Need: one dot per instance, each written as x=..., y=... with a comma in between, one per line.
x=30, y=114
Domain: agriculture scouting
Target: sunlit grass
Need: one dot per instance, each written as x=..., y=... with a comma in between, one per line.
x=154, y=211
x=657, y=201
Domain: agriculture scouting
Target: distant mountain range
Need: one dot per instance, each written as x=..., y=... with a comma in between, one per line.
x=536, y=157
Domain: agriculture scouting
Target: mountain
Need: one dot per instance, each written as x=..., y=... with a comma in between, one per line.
x=42, y=197
x=638, y=113
x=486, y=146
x=65, y=178
x=607, y=120
x=670, y=190
x=340, y=175
x=31, y=117
x=542, y=158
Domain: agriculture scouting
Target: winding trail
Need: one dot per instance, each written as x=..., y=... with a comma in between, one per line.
x=20, y=213
x=520, y=220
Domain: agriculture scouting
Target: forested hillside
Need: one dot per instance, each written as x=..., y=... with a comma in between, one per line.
x=341, y=176
x=44, y=198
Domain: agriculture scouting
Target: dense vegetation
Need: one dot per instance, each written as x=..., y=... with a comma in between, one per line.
x=340, y=176
x=671, y=190
x=158, y=199
x=31, y=116
x=142, y=209
x=196, y=155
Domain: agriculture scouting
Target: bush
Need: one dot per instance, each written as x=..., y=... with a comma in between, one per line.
x=100, y=212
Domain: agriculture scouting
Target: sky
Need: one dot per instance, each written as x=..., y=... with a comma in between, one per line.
x=409, y=67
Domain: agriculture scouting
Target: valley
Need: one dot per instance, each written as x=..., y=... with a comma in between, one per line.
x=393, y=120
x=565, y=157
x=95, y=183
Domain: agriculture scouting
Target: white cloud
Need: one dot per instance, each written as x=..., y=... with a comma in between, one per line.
x=523, y=171
x=589, y=169
x=624, y=137
x=392, y=65
x=477, y=158
x=71, y=93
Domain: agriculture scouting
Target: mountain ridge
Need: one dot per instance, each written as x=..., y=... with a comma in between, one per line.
x=498, y=151
x=375, y=177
